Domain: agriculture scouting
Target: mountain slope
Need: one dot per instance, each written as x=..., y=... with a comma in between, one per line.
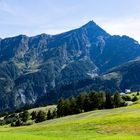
x=46, y=67
x=127, y=75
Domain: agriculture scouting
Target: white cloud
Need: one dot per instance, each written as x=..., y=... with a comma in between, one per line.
x=54, y=17
x=122, y=26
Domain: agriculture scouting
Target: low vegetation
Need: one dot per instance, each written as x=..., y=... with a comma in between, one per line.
x=28, y=118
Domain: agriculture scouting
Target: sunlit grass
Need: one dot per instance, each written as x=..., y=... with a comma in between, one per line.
x=114, y=124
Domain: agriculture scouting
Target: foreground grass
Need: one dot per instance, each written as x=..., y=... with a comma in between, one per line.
x=115, y=124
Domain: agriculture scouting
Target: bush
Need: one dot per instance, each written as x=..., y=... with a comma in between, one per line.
x=18, y=122
x=126, y=98
x=54, y=114
x=135, y=98
x=12, y=124
x=2, y=122
x=138, y=93
x=117, y=100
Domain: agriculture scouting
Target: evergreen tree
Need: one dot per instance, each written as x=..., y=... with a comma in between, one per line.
x=101, y=99
x=93, y=100
x=54, y=114
x=80, y=102
x=108, y=102
x=13, y=124
x=97, y=100
x=49, y=115
x=25, y=116
x=117, y=100
x=18, y=122
x=41, y=116
x=67, y=109
x=33, y=115
x=60, y=107
x=73, y=106
x=135, y=98
x=87, y=104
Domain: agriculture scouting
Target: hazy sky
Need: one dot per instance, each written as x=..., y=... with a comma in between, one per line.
x=33, y=17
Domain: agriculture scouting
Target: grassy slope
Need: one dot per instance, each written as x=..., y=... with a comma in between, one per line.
x=45, y=109
x=115, y=124
x=134, y=94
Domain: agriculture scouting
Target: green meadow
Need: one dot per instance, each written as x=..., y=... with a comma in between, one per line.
x=113, y=124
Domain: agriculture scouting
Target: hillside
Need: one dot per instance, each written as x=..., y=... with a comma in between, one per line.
x=126, y=75
x=45, y=109
x=114, y=124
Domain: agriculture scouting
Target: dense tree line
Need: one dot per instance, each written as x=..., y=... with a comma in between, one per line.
x=26, y=118
x=73, y=105
x=87, y=102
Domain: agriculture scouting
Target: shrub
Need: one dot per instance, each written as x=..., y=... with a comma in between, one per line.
x=135, y=98
x=138, y=93
x=2, y=122
x=12, y=124
x=126, y=98
x=18, y=122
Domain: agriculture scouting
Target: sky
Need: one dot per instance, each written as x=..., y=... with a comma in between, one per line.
x=32, y=17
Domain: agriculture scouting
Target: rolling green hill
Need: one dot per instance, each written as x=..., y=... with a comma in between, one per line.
x=114, y=124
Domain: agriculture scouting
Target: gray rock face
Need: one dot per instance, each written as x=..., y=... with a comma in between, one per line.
x=47, y=67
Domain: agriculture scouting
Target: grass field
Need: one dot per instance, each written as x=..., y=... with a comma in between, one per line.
x=115, y=124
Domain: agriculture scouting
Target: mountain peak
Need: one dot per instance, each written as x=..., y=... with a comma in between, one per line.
x=94, y=29
x=90, y=23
